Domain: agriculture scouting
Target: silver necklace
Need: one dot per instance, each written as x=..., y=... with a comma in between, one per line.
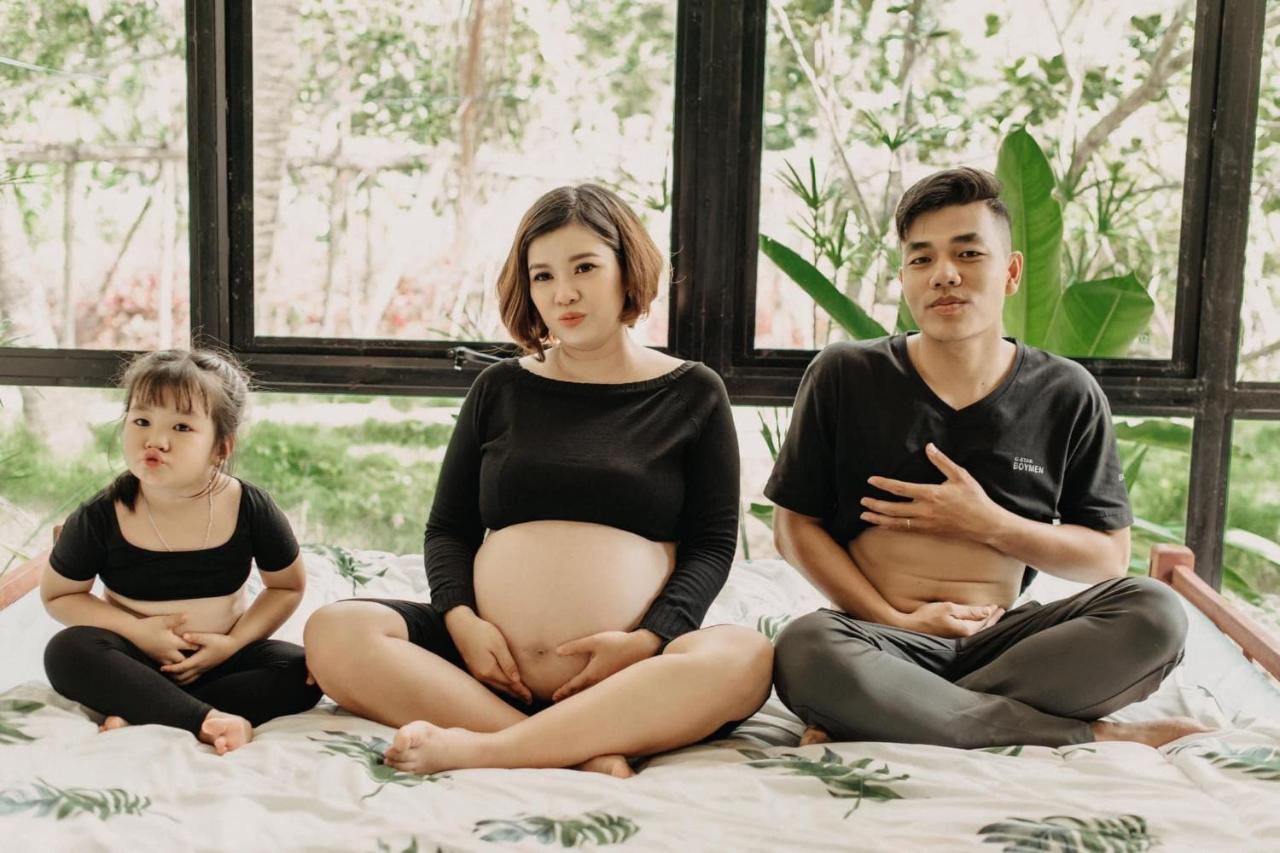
x=207, y=530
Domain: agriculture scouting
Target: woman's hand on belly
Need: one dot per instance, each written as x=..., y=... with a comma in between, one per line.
x=485, y=652
x=604, y=654
x=545, y=584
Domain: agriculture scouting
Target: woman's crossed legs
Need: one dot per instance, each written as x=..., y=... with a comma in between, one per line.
x=362, y=656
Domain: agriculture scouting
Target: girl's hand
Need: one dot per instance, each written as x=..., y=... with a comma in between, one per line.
x=607, y=652
x=158, y=638
x=214, y=649
x=485, y=652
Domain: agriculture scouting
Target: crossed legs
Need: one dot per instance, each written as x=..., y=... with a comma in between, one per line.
x=361, y=656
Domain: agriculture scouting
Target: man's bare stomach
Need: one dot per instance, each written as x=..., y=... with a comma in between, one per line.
x=911, y=569
x=543, y=583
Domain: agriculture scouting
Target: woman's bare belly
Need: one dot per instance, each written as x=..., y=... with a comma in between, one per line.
x=204, y=615
x=543, y=583
x=911, y=569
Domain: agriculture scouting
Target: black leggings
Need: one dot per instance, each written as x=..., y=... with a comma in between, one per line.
x=104, y=671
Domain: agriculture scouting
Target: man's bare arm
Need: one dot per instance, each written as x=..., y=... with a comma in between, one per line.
x=805, y=544
x=960, y=507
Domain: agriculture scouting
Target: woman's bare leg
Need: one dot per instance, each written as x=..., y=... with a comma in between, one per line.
x=702, y=680
x=360, y=655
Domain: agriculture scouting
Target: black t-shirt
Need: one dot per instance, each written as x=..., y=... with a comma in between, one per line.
x=657, y=458
x=1041, y=443
x=91, y=544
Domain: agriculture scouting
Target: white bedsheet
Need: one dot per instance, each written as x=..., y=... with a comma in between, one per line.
x=313, y=781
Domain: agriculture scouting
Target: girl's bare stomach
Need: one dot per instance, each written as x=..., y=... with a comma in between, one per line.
x=911, y=569
x=215, y=615
x=543, y=583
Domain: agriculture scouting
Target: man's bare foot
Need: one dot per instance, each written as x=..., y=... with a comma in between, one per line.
x=225, y=732
x=610, y=765
x=814, y=735
x=1150, y=732
x=420, y=747
x=110, y=724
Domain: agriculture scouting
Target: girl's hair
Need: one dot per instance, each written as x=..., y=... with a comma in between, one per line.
x=212, y=380
x=609, y=217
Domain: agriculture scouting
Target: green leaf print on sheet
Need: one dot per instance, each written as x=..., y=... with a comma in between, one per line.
x=856, y=780
x=367, y=752
x=9, y=710
x=46, y=799
x=1011, y=751
x=597, y=828
x=1260, y=762
x=346, y=565
x=771, y=626
x=1064, y=834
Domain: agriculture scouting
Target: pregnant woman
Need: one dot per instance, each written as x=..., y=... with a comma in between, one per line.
x=606, y=477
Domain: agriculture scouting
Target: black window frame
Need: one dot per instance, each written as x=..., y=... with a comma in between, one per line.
x=719, y=104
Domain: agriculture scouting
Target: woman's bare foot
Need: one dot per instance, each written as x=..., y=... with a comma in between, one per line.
x=225, y=732
x=813, y=735
x=420, y=747
x=110, y=724
x=1150, y=732
x=610, y=765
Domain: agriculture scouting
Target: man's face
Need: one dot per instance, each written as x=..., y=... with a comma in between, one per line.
x=957, y=269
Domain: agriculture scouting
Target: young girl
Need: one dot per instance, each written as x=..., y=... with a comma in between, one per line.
x=171, y=640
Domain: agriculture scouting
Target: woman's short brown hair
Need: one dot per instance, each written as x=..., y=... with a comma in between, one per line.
x=609, y=218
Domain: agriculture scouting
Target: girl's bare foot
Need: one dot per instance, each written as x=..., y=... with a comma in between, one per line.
x=225, y=732
x=610, y=765
x=1150, y=732
x=813, y=735
x=420, y=747
x=110, y=724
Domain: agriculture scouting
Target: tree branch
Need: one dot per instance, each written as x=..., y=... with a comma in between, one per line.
x=827, y=110
x=1164, y=66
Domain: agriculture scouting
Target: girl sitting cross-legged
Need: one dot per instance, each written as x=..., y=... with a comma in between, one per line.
x=172, y=641
x=606, y=476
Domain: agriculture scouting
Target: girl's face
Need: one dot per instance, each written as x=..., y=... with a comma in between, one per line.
x=576, y=285
x=169, y=449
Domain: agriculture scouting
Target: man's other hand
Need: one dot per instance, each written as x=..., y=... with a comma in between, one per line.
x=948, y=619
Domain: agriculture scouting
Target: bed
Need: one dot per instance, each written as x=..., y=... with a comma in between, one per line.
x=315, y=782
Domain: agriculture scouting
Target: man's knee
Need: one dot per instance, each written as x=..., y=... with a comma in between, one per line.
x=803, y=657
x=1157, y=621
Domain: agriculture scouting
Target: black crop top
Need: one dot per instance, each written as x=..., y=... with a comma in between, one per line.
x=91, y=544
x=657, y=458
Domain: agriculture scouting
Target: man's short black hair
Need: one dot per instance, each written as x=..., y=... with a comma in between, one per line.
x=949, y=187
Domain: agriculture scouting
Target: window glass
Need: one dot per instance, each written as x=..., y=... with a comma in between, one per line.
x=396, y=146
x=93, y=175
x=1089, y=101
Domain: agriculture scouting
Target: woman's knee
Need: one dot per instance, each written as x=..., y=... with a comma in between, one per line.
x=737, y=657
x=337, y=634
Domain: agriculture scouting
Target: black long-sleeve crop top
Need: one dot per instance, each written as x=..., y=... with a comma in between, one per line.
x=658, y=458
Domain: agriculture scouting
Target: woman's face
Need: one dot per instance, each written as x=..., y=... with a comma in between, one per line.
x=576, y=285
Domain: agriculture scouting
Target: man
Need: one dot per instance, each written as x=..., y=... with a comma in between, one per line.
x=921, y=476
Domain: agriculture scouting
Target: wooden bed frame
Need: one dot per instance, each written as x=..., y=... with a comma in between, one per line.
x=1172, y=564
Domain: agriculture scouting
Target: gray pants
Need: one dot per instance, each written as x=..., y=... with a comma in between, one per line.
x=1039, y=676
